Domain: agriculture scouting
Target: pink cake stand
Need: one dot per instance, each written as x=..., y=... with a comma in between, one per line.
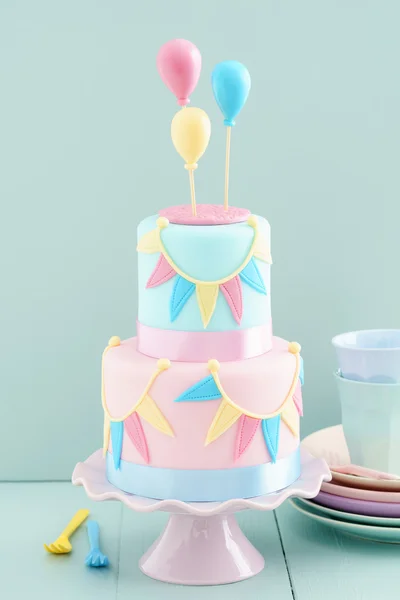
x=202, y=543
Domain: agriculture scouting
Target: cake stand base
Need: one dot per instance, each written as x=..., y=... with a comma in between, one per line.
x=202, y=551
x=202, y=544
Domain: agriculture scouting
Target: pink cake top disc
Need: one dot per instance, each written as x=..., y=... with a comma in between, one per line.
x=207, y=214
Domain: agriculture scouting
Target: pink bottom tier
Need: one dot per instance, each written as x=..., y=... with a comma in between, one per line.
x=178, y=416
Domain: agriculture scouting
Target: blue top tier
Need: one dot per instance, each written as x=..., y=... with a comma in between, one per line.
x=203, y=256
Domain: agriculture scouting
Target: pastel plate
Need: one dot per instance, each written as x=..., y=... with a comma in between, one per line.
x=330, y=444
x=360, y=507
x=364, y=483
x=388, y=535
x=361, y=494
x=345, y=516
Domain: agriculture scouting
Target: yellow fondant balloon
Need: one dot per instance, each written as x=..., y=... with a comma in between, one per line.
x=190, y=132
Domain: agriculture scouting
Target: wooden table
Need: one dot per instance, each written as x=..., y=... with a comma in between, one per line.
x=304, y=561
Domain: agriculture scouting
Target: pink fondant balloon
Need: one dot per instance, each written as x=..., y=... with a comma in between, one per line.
x=179, y=65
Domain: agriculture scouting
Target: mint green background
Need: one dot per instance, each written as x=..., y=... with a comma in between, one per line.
x=85, y=153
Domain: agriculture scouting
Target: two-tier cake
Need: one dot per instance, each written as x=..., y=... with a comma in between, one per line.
x=204, y=404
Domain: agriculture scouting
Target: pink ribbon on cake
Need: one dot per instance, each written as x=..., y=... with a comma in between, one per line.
x=200, y=346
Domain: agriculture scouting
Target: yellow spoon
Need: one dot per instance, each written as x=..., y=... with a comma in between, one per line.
x=62, y=544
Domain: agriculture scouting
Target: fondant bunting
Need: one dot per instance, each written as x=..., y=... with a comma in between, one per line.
x=206, y=291
x=134, y=429
x=252, y=276
x=210, y=388
x=270, y=429
x=232, y=291
x=301, y=375
x=290, y=417
x=207, y=296
x=150, y=412
x=106, y=434
x=181, y=293
x=149, y=242
x=162, y=273
x=298, y=399
x=261, y=250
x=206, y=389
x=225, y=418
x=246, y=432
x=117, y=434
x=143, y=406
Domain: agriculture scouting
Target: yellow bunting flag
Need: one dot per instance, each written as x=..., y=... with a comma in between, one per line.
x=207, y=299
x=261, y=250
x=149, y=242
x=150, y=412
x=290, y=416
x=106, y=434
x=225, y=418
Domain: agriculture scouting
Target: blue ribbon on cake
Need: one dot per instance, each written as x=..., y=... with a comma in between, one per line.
x=204, y=485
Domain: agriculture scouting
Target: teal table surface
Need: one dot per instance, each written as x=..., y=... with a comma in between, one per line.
x=304, y=560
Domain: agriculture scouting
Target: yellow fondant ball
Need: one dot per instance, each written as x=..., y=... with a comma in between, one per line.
x=252, y=221
x=163, y=363
x=114, y=341
x=294, y=348
x=162, y=222
x=213, y=365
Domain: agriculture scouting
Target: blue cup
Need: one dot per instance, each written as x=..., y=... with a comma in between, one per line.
x=371, y=423
x=371, y=356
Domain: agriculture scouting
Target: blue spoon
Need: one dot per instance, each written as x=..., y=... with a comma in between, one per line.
x=95, y=558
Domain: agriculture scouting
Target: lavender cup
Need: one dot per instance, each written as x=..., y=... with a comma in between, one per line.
x=372, y=356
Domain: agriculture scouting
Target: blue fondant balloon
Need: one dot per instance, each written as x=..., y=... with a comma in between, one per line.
x=231, y=86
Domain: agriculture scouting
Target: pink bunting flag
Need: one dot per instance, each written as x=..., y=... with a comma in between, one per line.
x=134, y=429
x=246, y=432
x=232, y=290
x=298, y=398
x=162, y=272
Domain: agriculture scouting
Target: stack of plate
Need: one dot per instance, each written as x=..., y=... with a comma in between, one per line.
x=363, y=506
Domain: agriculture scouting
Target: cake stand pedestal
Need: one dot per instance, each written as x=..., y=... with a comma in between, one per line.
x=202, y=543
x=196, y=550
